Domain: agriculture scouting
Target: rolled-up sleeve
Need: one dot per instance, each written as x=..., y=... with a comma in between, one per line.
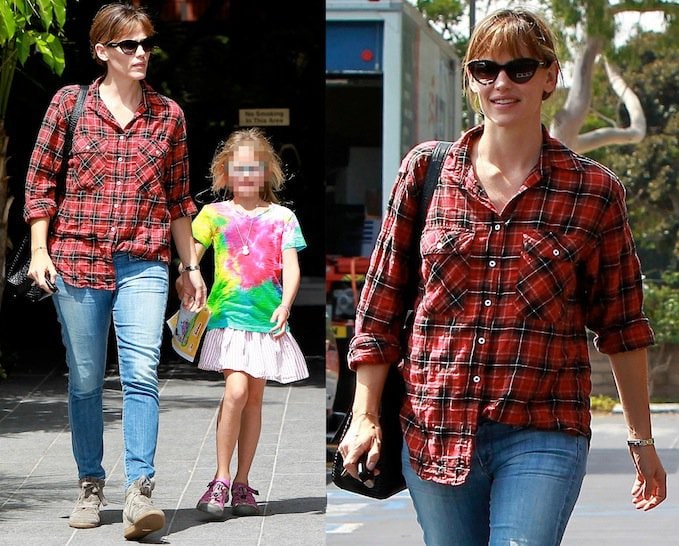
x=46, y=160
x=616, y=309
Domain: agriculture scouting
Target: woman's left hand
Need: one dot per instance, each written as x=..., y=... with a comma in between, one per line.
x=650, y=485
x=363, y=440
x=280, y=318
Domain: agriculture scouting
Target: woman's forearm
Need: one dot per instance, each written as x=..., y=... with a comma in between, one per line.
x=630, y=370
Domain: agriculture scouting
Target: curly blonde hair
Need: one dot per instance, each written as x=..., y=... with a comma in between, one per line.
x=274, y=176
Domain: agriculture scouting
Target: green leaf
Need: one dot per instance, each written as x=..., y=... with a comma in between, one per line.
x=7, y=24
x=45, y=12
x=60, y=12
x=23, y=45
x=57, y=54
x=23, y=8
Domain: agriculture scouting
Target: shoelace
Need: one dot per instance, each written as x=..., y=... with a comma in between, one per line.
x=217, y=490
x=91, y=488
x=241, y=491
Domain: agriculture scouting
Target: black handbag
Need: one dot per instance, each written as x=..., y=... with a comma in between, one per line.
x=20, y=284
x=390, y=479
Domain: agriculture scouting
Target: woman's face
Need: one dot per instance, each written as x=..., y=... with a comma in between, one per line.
x=128, y=55
x=246, y=172
x=504, y=101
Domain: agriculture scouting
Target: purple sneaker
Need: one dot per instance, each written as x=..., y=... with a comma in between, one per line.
x=243, y=503
x=214, y=499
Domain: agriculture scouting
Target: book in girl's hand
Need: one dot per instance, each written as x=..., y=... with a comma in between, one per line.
x=187, y=330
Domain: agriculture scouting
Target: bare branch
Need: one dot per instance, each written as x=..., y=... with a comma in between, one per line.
x=635, y=132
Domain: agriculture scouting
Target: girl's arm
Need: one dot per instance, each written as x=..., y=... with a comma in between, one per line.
x=193, y=291
x=630, y=372
x=291, y=280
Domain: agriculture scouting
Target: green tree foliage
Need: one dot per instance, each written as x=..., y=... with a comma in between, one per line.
x=27, y=26
x=661, y=304
x=648, y=169
x=446, y=16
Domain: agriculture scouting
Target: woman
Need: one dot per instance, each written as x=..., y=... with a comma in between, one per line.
x=104, y=241
x=526, y=245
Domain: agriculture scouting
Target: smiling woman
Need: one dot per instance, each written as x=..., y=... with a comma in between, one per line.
x=526, y=245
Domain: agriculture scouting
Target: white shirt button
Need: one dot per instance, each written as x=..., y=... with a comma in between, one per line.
x=476, y=379
x=120, y=159
x=492, y=263
x=121, y=137
x=496, y=227
x=439, y=246
x=556, y=252
x=482, y=340
x=487, y=303
x=115, y=205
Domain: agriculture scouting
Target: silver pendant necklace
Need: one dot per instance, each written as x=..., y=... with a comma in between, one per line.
x=245, y=243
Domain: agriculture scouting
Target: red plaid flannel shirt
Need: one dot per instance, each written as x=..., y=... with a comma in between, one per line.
x=504, y=301
x=123, y=187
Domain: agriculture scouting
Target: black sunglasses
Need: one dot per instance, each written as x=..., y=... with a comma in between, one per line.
x=129, y=47
x=518, y=70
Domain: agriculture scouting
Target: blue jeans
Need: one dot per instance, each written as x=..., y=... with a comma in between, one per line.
x=521, y=490
x=137, y=307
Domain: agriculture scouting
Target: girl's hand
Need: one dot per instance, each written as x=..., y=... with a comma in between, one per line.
x=193, y=292
x=280, y=317
x=650, y=485
x=363, y=437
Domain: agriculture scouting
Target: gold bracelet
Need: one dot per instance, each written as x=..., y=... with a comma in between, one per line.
x=368, y=413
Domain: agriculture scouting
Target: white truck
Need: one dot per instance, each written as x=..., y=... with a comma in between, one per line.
x=391, y=81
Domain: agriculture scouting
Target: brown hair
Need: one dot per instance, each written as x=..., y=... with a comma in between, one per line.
x=115, y=20
x=274, y=177
x=516, y=31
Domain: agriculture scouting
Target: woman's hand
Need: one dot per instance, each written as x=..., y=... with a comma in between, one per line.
x=363, y=439
x=42, y=267
x=280, y=318
x=650, y=485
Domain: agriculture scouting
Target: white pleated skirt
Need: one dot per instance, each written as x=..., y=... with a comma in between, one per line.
x=255, y=353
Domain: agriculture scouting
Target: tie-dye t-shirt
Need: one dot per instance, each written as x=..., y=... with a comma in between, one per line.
x=247, y=286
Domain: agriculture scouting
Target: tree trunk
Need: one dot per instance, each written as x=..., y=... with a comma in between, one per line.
x=569, y=120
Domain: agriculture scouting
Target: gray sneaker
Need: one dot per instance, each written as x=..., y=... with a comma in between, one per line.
x=140, y=517
x=85, y=515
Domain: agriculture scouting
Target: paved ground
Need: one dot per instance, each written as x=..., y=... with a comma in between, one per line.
x=603, y=515
x=38, y=482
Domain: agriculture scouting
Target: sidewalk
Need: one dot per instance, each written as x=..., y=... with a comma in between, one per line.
x=38, y=480
x=603, y=515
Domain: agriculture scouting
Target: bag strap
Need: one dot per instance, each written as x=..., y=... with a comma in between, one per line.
x=431, y=180
x=70, y=130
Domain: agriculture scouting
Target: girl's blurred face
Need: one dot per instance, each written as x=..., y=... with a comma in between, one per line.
x=246, y=172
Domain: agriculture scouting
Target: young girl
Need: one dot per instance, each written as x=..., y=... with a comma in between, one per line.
x=257, y=276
